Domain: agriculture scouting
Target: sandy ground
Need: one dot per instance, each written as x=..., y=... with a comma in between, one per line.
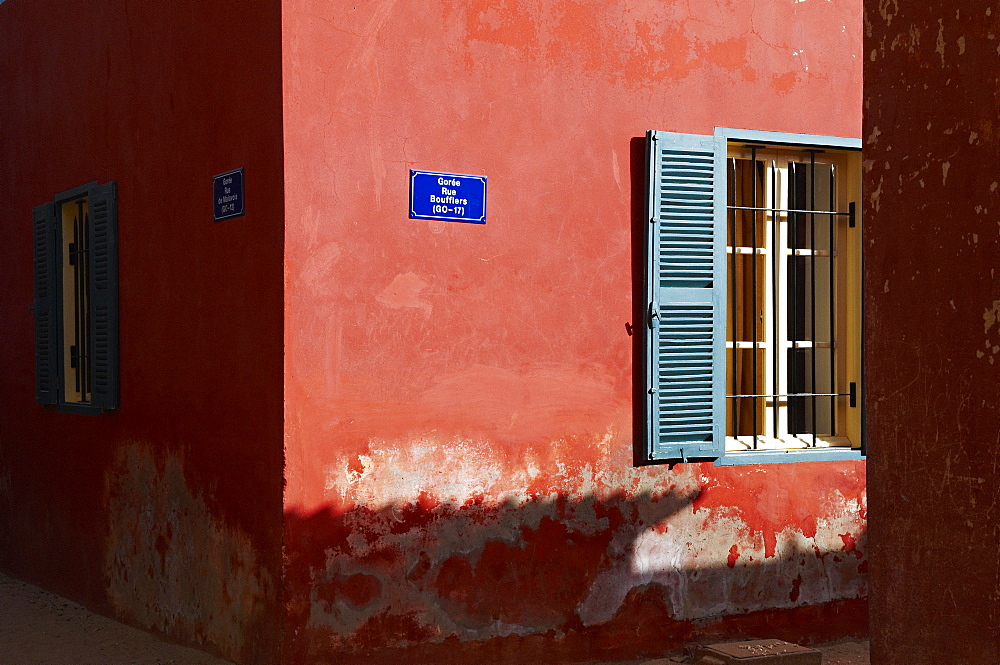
x=39, y=628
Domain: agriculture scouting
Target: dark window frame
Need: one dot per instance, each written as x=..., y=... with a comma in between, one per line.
x=95, y=302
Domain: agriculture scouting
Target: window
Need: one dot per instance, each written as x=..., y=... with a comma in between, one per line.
x=754, y=287
x=76, y=300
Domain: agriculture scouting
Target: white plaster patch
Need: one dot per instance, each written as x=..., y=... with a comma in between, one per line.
x=405, y=291
x=616, y=170
x=961, y=45
x=318, y=271
x=990, y=315
x=876, y=196
x=690, y=560
x=944, y=172
x=400, y=475
x=888, y=9
x=940, y=40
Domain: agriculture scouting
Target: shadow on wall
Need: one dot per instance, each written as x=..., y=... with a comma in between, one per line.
x=549, y=580
x=587, y=575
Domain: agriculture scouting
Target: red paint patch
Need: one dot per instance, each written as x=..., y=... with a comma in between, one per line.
x=729, y=54
x=734, y=554
x=393, y=629
x=781, y=496
x=355, y=466
x=358, y=589
x=539, y=580
x=784, y=83
x=850, y=543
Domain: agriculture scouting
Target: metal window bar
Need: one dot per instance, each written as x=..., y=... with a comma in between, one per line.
x=792, y=291
x=812, y=287
x=831, y=298
x=797, y=228
x=775, y=363
x=733, y=289
x=818, y=212
x=753, y=283
x=795, y=395
x=79, y=252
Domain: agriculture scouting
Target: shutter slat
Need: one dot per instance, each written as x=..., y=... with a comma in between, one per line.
x=104, y=295
x=685, y=283
x=46, y=276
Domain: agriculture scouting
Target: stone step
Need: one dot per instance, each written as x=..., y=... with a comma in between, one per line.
x=757, y=652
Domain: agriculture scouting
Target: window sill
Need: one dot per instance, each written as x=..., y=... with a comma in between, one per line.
x=735, y=458
x=82, y=409
x=787, y=442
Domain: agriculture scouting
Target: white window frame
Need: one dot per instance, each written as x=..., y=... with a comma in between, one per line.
x=708, y=443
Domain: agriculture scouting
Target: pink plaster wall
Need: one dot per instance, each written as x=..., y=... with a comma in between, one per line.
x=459, y=398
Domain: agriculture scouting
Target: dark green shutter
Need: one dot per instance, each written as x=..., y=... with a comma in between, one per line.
x=686, y=291
x=46, y=287
x=103, y=275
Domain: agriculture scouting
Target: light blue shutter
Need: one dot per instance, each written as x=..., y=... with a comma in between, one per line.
x=46, y=288
x=686, y=291
x=103, y=275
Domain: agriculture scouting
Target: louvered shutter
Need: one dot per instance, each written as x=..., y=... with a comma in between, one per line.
x=686, y=290
x=103, y=275
x=46, y=276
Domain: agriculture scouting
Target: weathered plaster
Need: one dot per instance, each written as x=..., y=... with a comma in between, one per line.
x=451, y=540
x=173, y=566
x=459, y=399
x=932, y=339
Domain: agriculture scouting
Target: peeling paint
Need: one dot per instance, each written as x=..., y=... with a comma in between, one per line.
x=173, y=566
x=990, y=315
x=434, y=530
x=939, y=49
x=467, y=484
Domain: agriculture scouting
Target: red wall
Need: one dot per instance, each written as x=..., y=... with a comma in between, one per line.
x=933, y=304
x=167, y=512
x=459, y=398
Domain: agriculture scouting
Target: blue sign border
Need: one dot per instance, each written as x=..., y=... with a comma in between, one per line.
x=242, y=197
x=472, y=220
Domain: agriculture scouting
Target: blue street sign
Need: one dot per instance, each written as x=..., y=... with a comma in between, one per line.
x=448, y=196
x=228, y=195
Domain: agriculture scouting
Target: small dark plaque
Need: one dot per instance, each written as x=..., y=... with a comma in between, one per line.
x=228, y=195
